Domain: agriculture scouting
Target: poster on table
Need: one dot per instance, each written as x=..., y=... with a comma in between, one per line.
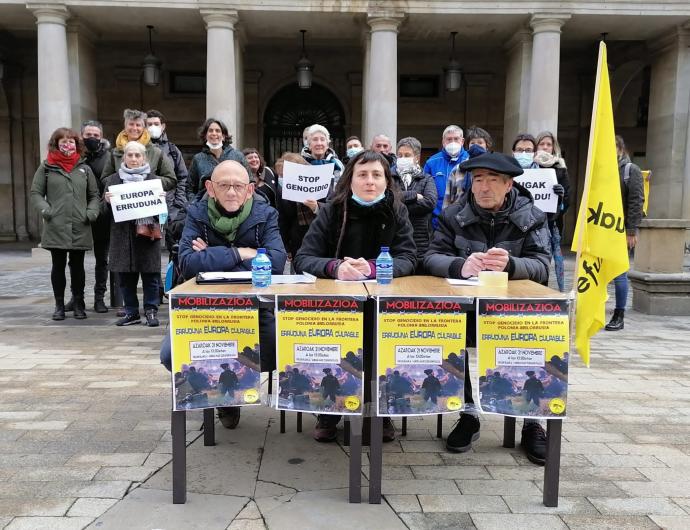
x=421, y=355
x=523, y=354
x=215, y=351
x=540, y=183
x=320, y=354
x=137, y=200
x=302, y=182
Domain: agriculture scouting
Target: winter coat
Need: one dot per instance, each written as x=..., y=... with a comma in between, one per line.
x=366, y=230
x=176, y=199
x=68, y=203
x=203, y=165
x=260, y=229
x=129, y=252
x=96, y=161
x=563, y=202
x=330, y=158
x=520, y=229
x=632, y=193
x=269, y=189
x=161, y=166
x=439, y=167
x=419, y=210
x=291, y=230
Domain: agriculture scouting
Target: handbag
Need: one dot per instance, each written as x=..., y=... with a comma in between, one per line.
x=149, y=231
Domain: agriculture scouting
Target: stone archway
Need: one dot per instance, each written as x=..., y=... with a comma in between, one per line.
x=292, y=109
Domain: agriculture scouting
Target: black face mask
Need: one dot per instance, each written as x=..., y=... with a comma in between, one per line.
x=92, y=144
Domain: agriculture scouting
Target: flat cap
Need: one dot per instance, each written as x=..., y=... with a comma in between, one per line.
x=497, y=162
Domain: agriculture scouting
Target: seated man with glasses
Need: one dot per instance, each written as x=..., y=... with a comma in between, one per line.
x=221, y=234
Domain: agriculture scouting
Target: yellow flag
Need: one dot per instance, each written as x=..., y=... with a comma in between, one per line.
x=600, y=240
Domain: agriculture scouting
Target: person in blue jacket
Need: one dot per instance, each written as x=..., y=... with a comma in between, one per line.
x=440, y=165
x=222, y=232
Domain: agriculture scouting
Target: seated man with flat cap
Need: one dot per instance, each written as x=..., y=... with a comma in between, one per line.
x=221, y=234
x=495, y=227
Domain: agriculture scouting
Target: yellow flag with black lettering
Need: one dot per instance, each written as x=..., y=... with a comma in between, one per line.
x=599, y=239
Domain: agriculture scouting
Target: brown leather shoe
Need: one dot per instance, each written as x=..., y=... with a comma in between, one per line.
x=326, y=428
x=229, y=416
x=388, y=430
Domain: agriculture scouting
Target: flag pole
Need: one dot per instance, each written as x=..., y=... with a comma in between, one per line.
x=582, y=212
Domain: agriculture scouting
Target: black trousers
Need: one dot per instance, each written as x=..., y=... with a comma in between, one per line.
x=75, y=260
x=101, y=246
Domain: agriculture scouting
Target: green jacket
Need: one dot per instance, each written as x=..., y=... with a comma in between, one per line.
x=68, y=202
x=161, y=165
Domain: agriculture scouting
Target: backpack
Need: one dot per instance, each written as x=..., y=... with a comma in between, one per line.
x=646, y=177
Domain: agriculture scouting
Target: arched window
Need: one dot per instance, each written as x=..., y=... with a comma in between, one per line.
x=291, y=110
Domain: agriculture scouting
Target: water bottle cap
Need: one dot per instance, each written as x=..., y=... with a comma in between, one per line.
x=384, y=249
x=261, y=251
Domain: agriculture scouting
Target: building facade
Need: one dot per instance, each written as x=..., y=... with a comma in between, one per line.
x=527, y=66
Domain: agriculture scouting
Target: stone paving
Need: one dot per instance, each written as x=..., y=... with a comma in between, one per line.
x=85, y=440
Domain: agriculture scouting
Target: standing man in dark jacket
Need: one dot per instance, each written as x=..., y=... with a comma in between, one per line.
x=177, y=198
x=97, y=149
x=222, y=232
x=632, y=194
x=495, y=226
x=418, y=193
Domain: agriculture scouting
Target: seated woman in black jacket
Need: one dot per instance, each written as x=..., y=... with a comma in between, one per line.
x=344, y=240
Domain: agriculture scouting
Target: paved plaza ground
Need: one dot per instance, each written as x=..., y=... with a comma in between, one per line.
x=85, y=440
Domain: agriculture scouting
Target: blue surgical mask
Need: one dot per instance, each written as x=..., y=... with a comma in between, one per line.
x=353, y=151
x=362, y=202
x=524, y=159
x=476, y=150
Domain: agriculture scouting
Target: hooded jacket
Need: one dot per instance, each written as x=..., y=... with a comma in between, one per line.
x=203, y=165
x=176, y=199
x=419, y=209
x=520, y=228
x=632, y=194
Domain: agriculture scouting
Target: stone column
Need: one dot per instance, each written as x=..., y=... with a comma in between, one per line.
x=239, y=83
x=54, y=101
x=366, y=38
x=519, y=55
x=82, y=73
x=544, y=73
x=381, y=103
x=667, y=130
x=221, y=92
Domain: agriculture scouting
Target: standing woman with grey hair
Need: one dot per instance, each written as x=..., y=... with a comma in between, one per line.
x=135, y=131
x=419, y=193
x=135, y=250
x=318, y=151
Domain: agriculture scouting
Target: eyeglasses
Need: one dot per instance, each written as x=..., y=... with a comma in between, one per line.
x=225, y=187
x=524, y=150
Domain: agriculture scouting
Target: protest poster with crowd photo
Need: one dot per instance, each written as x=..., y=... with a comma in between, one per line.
x=215, y=351
x=320, y=354
x=421, y=355
x=523, y=353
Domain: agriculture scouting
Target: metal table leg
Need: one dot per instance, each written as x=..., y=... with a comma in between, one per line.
x=403, y=429
x=552, y=467
x=209, y=427
x=375, y=459
x=508, y=431
x=299, y=422
x=439, y=426
x=178, y=429
x=355, y=427
x=282, y=422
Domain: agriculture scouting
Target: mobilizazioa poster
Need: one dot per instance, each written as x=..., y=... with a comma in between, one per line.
x=523, y=353
x=421, y=355
x=215, y=351
x=320, y=354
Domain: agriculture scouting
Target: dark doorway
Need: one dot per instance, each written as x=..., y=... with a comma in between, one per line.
x=291, y=110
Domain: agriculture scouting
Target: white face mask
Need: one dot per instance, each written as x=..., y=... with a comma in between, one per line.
x=214, y=146
x=155, y=131
x=453, y=148
x=405, y=164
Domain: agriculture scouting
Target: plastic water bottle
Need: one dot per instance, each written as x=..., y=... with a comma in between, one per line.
x=261, y=269
x=384, y=267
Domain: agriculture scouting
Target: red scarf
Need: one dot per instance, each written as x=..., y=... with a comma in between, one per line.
x=66, y=162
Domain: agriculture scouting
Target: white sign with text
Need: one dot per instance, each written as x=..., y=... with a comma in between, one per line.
x=302, y=182
x=136, y=200
x=540, y=184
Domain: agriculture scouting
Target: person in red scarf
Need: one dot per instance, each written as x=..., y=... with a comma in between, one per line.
x=65, y=192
